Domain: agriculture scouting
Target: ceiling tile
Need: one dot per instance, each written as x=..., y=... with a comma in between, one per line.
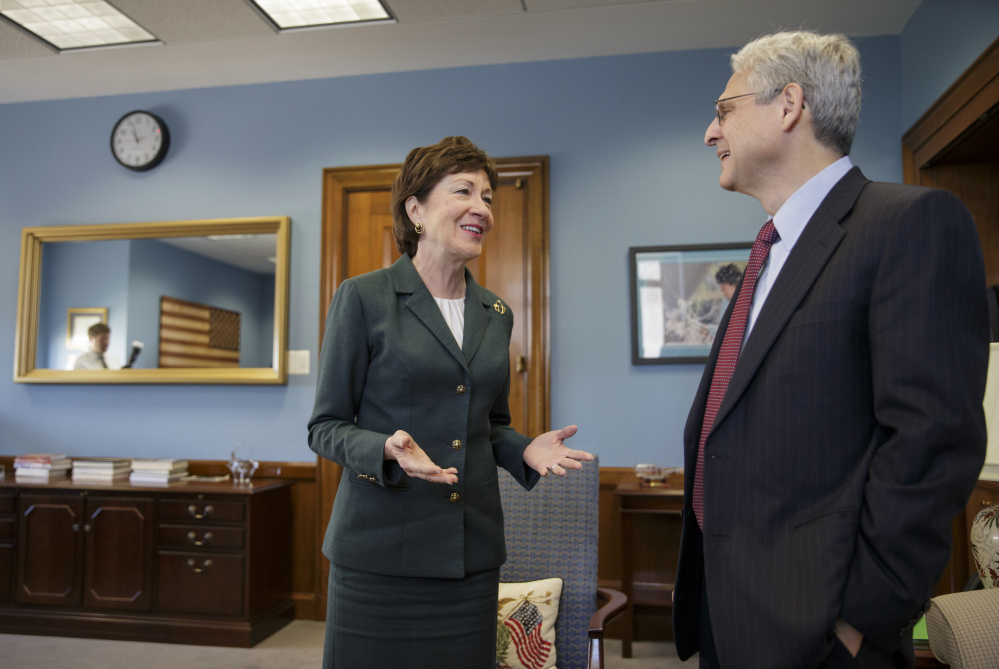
x=420, y=11
x=16, y=43
x=196, y=21
x=551, y=5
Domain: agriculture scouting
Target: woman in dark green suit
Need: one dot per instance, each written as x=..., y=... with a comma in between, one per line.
x=412, y=401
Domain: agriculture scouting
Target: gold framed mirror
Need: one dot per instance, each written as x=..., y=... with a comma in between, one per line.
x=195, y=302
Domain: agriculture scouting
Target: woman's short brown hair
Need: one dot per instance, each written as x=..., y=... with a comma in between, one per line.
x=425, y=166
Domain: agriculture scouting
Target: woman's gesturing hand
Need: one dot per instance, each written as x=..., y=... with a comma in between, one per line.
x=402, y=448
x=548, y=452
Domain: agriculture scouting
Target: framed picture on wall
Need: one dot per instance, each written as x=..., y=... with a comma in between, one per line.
x=78, y=321
x=678, y=296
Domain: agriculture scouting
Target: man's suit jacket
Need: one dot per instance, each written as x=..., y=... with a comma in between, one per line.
x=389, y=362
x=851, y=434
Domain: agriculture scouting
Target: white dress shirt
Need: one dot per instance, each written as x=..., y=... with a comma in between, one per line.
x=454, y=314
x=91, y=360
x=790, y=221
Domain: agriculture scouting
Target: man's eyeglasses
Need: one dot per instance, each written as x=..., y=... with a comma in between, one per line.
x=721, y=114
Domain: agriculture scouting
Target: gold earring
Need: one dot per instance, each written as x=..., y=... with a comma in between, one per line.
x=418, y=227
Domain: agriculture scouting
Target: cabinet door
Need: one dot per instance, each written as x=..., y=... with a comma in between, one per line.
x=49, y=549
x=7, y=532
x=119, y=553
x=6, y=571
x=201, y=583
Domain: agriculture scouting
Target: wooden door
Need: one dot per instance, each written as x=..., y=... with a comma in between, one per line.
x=119, y=550
x=357, y=238
x=50, y=550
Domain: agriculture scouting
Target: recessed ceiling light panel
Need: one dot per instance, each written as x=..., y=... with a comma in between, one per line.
x=75, y=24
x=308, y=13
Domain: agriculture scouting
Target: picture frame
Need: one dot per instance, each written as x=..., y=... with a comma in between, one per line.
x=678, y=297
x=78, y=321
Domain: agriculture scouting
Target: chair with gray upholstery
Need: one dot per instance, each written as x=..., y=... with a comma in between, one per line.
x=552, y=531
x=963, y=628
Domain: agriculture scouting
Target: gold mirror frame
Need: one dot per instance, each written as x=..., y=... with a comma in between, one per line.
x=29, y=291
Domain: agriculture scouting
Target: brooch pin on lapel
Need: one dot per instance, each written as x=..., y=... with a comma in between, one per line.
x=499, y=307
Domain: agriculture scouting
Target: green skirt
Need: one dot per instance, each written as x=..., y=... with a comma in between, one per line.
x=383, y=622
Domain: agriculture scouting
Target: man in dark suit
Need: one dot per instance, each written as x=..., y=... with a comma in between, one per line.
x=838, y=428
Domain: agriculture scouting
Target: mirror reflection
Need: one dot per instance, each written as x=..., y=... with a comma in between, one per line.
x=131, y=278
x=153, y=303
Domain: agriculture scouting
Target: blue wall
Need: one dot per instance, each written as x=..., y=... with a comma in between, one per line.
x=74, y=275
x=128, y=278
x=159, y=269
x=940, y=41
x=628, y=168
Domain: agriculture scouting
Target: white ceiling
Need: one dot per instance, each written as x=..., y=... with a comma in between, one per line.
x=250, y=252
x=208, y=43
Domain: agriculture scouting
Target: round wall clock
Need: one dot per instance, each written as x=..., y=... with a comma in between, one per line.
x=140, y=140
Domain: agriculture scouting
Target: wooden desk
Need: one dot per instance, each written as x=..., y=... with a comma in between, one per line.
x=636, y=498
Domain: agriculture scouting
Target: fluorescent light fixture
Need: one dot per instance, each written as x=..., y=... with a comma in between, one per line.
x=308, y=13
x=75, y=24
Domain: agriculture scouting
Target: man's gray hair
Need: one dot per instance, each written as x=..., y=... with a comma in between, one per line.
x=827, y=67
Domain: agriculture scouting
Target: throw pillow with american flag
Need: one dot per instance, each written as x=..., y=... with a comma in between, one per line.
x=525, y=624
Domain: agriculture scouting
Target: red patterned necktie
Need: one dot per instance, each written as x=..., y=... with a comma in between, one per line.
x=728, y=354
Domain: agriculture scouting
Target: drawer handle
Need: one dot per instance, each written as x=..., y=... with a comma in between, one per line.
x=193, y=510
x=205, y=538
x=197, y=570
x=986, y=503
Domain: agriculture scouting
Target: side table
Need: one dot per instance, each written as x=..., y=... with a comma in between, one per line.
x=638, y=498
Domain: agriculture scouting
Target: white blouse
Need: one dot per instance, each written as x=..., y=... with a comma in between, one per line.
x=454, y=315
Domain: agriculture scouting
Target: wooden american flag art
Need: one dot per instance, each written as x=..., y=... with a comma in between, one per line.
x=197, y=335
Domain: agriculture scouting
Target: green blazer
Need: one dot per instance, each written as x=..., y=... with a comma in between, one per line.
x=389, y=362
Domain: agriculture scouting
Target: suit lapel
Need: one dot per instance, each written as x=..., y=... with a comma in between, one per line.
x=477, y=313
x=408, y=282
x=808, y=258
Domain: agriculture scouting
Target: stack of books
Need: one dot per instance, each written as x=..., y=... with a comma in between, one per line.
x=41, y=467
x=101, y=470
x=157, y=471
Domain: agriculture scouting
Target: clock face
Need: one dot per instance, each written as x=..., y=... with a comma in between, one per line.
x=140, y=140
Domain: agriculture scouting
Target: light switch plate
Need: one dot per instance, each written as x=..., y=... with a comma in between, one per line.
x=298, y=362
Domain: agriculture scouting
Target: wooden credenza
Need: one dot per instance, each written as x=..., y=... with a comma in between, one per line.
x=190, y=562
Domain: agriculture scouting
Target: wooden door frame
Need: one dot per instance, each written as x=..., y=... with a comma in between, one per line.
x=338, y=183
x=955, y=114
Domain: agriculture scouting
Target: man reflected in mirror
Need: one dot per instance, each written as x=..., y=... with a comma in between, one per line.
x=98, y=357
